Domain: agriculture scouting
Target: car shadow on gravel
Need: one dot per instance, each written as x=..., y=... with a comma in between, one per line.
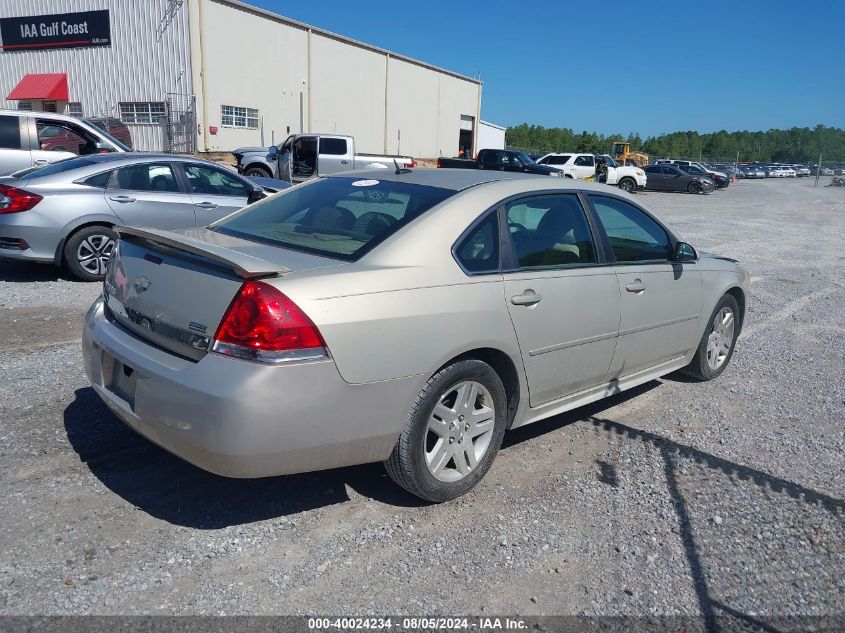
x=173, y=490
x=15, y=271
x=718, y=617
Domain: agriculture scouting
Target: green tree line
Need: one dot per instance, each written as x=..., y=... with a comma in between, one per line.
x=798, y=144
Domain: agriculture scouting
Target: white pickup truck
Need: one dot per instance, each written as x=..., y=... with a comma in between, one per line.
x=304, y=156
x=583, y=166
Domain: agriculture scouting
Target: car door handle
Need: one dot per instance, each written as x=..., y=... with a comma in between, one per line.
x=344, y=162
x=41, y=161
x=527, y=298
x=122, y=199
x=638, y=286
x=205, y=205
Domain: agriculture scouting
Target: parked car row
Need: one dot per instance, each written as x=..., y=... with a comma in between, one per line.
x=761, y=170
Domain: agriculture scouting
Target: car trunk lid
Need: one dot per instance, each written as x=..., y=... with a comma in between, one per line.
x=173, y=288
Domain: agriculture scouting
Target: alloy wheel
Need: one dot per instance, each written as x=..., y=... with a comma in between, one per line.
x=459, y=431
x=721, y=338
x=93, y=253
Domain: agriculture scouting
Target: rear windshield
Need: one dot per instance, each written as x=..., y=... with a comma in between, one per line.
x=58, y=167
x=336, y=217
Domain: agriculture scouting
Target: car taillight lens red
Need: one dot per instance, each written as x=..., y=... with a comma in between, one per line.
x=14, y=200
x=413, y=163
x=263, y=324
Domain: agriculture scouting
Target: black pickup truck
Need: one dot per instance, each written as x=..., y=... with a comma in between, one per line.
x=501, y=160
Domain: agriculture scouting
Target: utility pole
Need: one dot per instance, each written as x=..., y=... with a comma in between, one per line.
x=818, y=170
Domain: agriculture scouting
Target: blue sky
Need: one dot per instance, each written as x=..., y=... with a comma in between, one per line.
x=619, y=66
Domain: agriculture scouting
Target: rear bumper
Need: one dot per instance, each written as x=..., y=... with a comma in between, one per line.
x=40, y=243
x=242, y=419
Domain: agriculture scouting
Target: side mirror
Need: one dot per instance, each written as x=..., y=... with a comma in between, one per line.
x=103, y=148
x=255, y=194
x=684, y=253
x=272, y=152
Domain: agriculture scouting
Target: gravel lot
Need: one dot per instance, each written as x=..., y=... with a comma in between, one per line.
x=722, y=499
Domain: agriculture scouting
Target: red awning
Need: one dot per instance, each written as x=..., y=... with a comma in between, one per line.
x=52, y=87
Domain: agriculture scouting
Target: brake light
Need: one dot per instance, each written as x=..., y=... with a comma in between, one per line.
x=14, y=200
x=264, y=325
x=438, y=163
x=413, y=163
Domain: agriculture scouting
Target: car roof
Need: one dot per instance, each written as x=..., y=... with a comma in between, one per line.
x=454, y=179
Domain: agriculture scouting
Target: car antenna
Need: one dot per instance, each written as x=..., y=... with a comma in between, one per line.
x=400, y=170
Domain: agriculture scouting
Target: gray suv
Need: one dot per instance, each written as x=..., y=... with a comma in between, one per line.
x=38, y=138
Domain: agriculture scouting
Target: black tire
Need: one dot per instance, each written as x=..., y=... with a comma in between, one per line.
x=407, y=465
x=628, y=185
x=97, y=240
x=257, y=171
x=699, y=368
x=568, y=176
x=695, y=187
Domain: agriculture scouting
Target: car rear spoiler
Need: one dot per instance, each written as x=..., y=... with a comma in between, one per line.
x=242, y=265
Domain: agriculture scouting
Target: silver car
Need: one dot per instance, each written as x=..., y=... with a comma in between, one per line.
x=65, y=213
x=410, y=317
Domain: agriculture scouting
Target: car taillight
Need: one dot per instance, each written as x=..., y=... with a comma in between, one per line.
x=264, y=325
x=438, y=163
x=413, y=163
x=14, y=200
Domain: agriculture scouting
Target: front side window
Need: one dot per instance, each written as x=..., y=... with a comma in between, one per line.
x=238, y=116
x=339, y=217
x=146, y=177
x=479, y=251
x=211, y=181
x=633, y=235
x=585, y=161
x=652, y=169
x=10, y=132
x=142, y=112
x=55, y=136
x=550, y=231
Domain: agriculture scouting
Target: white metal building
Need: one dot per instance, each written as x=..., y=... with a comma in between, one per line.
x=213, y=75
x=490, y=135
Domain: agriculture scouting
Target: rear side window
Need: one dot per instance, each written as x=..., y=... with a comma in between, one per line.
x=557, y=160
x=633, y=235
x=60, y=166
x=10, y=133
x=478, y=252
x=585, y=161
x=333, y=146
x=99, y=180
x=336, y=217
x=550, y=231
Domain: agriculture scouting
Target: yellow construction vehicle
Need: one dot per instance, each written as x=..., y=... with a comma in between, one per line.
x=623, y=155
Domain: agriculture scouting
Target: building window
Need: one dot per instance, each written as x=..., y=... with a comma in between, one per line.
x=142, y=112
x=25, y=105
x=74, y=108
x=234, y=116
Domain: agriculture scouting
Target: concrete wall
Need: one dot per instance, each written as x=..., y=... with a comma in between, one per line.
x=140, y=65
x=388, y=103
